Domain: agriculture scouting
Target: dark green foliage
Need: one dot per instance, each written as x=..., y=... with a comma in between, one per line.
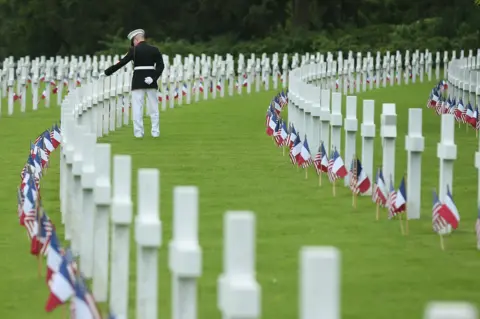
x=52, y=27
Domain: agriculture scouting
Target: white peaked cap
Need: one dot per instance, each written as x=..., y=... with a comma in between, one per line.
x=134, y=33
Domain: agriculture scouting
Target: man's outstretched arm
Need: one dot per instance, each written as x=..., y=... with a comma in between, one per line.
x=114, y=68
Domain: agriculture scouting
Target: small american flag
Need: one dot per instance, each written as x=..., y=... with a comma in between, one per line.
x=294, y=151
x=281, y=134
x=317, y=161
x=459, y=110
x=30, y=223
x=429, y=100
x=434, y=98
x=438, y=222
x=23, y=172
x=353, y=176
x=392, y=198
x=30, y=210
x=331, y=174
x=287, y=141
x=306, y=162
x=453, y=107
x=439, y=106
x=46, y=230
x=375, y=186
x=464, y=115
x=19, y=203
x=291, y=137
x=277, y=133
x=267, y=116
x=284, y=98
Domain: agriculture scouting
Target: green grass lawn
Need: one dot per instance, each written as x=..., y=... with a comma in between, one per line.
x=221, y=147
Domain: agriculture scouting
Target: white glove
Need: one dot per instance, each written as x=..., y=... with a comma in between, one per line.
x=148, y=80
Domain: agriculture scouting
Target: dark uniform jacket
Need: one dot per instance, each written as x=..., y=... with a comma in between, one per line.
x=142, y=55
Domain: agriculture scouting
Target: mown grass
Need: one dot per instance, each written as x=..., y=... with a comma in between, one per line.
x=220, y=146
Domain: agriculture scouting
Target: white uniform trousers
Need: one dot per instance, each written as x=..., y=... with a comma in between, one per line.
x=138, y=99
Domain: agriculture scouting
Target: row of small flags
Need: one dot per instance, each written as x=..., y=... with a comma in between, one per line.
x=196, y=86
x=288, y=138
x=52, y=85
x=200, y=87
x=63, y=279
x=440, y=101
x=445, y=216
x=78, y=81
x=442, y=104
x=176, y=91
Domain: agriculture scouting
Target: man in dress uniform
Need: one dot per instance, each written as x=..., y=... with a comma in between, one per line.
x=147, y=68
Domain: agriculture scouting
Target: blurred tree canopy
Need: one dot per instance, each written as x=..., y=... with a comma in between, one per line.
x=51, y=27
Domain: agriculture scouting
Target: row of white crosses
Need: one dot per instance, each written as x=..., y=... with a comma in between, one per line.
x=177, y=78
x=316, y=112
x=464, y=79
x=357, y=74
x=185, y=75
x=464, y=82
x=216, y=73
x=97, y=207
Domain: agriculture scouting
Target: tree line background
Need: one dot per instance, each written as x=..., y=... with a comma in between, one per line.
x=51, y=27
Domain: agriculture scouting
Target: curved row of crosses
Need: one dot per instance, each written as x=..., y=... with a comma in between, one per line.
x=320, y=119
x=33, y=83
x=94, y=108
x=445, y=216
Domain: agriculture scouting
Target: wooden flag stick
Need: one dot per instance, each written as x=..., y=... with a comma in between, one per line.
x=283, y=150
x=334, y=188
x=306, y=172
x=320, y=178
x=406, y=224
x=377, y=213
x=401, y=224
x=355, y=200
x=442, y=244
